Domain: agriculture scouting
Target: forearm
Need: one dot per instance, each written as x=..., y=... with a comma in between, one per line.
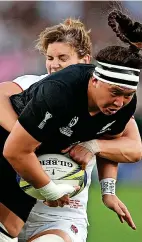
x=106, y=168
x=107, y=173
x=29, y=168
x=8, y=116
x=120, y=150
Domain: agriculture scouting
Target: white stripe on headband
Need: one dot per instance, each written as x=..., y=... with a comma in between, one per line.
x=117, y=75
x=119, y=67
x=115, y=83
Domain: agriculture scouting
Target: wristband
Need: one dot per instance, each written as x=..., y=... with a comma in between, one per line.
x=53, y=192
x=92, y=146
x=108, y=186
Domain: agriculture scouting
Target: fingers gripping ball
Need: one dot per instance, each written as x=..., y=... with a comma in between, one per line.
x=62, y=170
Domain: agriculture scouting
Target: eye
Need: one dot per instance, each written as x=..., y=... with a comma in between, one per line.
x=113, y=94
x=129, y=95
x=49, y=57
x=64, y=58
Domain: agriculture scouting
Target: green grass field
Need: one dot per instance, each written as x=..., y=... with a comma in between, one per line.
x=105, y=225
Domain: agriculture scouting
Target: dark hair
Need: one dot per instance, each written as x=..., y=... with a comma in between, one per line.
x=130, y=33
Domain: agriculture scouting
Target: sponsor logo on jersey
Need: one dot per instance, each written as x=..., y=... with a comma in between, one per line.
x=75, y=203
x=74, y=229
x=43, y=122
x=106, y=127
x=67, y=130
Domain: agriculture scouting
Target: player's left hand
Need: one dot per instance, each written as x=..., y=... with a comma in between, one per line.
x=115, y=204
x=81, y=155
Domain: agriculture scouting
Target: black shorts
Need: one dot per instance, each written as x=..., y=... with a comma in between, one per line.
x=11, y=195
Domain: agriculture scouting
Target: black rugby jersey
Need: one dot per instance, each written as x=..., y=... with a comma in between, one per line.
x=57, y=110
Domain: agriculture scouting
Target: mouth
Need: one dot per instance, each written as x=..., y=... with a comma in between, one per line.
x=53, y=71
x=112, y=110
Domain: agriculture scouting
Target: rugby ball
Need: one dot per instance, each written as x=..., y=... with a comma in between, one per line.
x=61, y=169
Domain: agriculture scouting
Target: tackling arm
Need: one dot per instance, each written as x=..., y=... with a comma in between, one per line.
x=8, y=116
x=117, y=148
x=121, y=148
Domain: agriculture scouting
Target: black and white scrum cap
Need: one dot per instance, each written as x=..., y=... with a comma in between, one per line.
x=117, y=75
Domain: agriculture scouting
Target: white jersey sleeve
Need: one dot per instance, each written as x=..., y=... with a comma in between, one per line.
x=26, y=81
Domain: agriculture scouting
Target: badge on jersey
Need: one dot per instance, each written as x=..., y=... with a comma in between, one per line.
x=67, y=130
x=106, y=127
x=43, y=122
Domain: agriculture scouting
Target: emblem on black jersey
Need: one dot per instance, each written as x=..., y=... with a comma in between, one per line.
x=106, y=127
x=73, y=122
x=43, y=122
x=67, y=130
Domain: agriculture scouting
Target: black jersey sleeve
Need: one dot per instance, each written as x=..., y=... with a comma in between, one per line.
x=123, y=116
x=47, y=110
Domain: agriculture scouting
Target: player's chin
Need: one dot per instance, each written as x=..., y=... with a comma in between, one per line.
x=105, y=111
x=108, y=111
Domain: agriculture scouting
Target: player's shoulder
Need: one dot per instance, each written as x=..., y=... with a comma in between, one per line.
x=71, y=76
x=74, y=71
x=80, y=68
x=26, y=81
x=34, y=78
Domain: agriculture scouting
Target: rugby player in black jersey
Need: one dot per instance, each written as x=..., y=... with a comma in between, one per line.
x=106, y=109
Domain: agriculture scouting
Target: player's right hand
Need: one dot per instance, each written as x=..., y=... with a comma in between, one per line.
x=61, y=202
x=59, y=193
x=115, y=204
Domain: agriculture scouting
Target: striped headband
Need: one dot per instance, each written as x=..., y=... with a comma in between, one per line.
x=117, y=75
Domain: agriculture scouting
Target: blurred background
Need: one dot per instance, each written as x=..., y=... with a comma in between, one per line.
x=20, y=24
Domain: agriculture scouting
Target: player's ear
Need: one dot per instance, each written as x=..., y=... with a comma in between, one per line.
x=86, y=59
x=94, y=81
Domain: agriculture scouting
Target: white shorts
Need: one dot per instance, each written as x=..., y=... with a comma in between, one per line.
x=77, y=230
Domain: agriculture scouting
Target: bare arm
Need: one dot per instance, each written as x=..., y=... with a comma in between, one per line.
x=19, y=151
x=8, y=116
x=106, y=168
x=121, y=149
